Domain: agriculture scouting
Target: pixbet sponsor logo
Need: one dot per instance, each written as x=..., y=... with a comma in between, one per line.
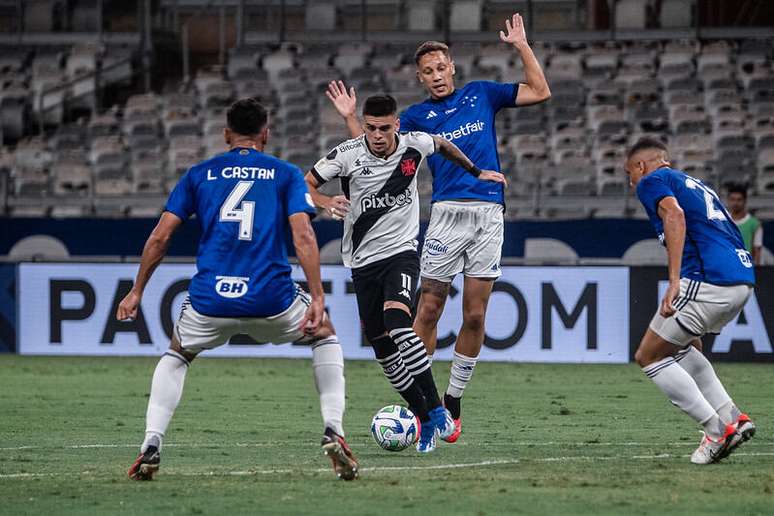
x=435, y=247
x=386, y=200
x=464, y=130
x=231, y=286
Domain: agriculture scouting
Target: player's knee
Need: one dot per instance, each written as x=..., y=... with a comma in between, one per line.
x=473, y=320
x=326, y=329
x=395, y=318
x=429, y=312
x=175, y=346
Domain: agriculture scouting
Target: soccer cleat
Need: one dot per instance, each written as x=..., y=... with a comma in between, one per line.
x=457, y=431
x=146, y=465
x=427, y=441
x=344, y=462
x=443, y=422
x=745, y=430
x=712, y=450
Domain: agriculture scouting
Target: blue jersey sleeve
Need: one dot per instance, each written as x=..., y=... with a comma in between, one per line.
x=651, y=189
x=182, y=200
x=407, y=123
x=297, y=198
x=500, y=95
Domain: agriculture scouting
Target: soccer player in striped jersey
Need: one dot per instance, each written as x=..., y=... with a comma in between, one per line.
x=710, y=279
x=381, y=223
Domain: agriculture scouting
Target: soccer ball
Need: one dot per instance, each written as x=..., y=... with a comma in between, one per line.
x=394, y=428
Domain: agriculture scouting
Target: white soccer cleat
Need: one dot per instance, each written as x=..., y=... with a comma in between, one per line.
x=712, y=450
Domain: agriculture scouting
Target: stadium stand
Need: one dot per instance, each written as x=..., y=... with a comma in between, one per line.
x=712, y=100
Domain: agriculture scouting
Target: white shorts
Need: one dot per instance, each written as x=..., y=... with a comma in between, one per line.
x=197, y=332
x=701, y=308
x=463, y=237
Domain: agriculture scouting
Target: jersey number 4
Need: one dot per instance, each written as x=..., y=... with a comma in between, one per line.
x=231, y=212
x=709, y=199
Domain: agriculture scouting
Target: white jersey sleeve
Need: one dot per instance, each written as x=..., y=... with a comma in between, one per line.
x=423, y=142
x=331, y=166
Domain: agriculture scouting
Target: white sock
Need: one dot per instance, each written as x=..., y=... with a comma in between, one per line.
x=683, y=392
x=700, y=369
x=328, y=365
x=461, y=372
x=166, y=390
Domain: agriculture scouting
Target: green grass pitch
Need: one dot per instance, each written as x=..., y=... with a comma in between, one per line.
x=537, y=439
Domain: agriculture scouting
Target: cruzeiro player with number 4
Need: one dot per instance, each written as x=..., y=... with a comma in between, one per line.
x=381, y=223
x=710, y=279
x=243, y=282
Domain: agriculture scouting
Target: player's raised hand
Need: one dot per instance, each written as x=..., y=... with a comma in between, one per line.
x=667, y=309
x=515, y=34
x=127, y=308
x=337, y=207
x=313, y=317
x=492, y=176
x=344, y=101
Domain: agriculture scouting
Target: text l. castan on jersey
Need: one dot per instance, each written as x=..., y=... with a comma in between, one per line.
x=241, y=173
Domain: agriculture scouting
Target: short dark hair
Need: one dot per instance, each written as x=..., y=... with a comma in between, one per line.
x=431, y=46
x=380, y=105
x=646, y=142
x=247, y=117
x=737, y=188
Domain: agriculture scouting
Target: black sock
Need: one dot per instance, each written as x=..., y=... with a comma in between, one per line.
x=416, y=402
x=452, y=404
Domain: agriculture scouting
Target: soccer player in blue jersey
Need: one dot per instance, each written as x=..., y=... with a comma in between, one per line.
x=246, y=202
x=465, y=233
x=710, y=279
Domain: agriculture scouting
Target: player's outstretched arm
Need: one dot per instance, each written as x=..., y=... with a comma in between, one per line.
x=536, y=88
x=345, y=103
x=308, y=255
x=336, y=206
x=453, y=153
x=672, y=216
x=154, y=251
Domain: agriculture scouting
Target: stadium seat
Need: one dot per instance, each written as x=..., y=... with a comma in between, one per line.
x=465, y=15
x=548, y=250
x=630, y=14
x=421, y=15
x=676, y=14
x=645, y=252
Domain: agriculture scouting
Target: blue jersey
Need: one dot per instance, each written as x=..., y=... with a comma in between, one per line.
x=714, y=251
x=243, y=199
x=466, y=118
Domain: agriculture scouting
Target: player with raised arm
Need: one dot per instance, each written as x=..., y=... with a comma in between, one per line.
x=380, y=208
x=465, y=233
x=243, y=282
x=710, y=279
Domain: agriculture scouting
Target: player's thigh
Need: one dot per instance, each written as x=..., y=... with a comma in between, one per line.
x=475, y=294
x=285, y=326
x=401, y=277
x=445, y=241
x=482, y=257
x=197, y=332
x=653, y=348
x=367, y=282
x=702, y=308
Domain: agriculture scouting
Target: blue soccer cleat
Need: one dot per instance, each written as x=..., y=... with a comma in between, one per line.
x=443, y=422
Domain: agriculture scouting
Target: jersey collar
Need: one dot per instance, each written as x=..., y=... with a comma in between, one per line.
x=368, y=147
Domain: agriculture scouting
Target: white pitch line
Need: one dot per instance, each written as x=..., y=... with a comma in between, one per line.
x=377, y=469
x=352, y=445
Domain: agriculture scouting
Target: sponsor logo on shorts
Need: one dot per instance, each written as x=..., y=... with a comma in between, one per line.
x=231, y=287
x=386, y=200
x=405, y=293
x=435, y=247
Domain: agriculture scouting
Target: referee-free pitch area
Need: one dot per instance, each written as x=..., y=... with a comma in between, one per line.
x=541, y=439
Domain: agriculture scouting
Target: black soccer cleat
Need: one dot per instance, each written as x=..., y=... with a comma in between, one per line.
x=146, y=465
x=344, y=462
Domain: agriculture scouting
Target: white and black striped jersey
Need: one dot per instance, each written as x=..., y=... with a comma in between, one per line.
x=384, y=205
